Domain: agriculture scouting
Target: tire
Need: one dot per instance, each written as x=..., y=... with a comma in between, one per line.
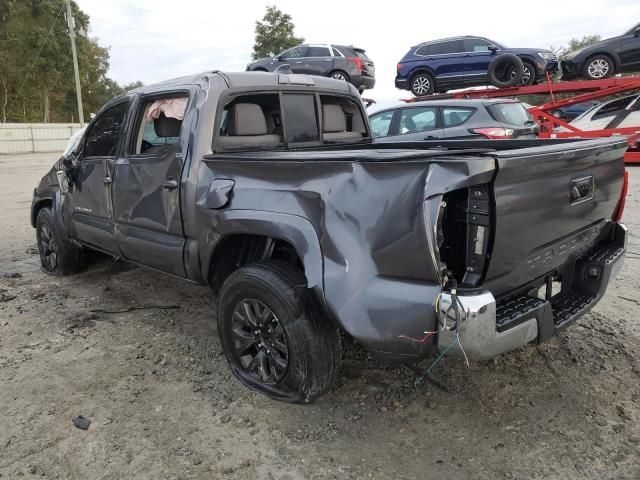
x=598, y=67
x=505, y=70
x=339, y=75
x=528, y=74
x=273, y=336
x=422, y=84
x=57, y=255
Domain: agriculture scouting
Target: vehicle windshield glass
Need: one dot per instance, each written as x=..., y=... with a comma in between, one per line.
x=510, y=113
x=633, y=30
x=380, y=123
x=74, y=143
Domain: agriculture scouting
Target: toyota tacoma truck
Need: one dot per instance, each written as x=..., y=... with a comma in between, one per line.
x=268, y=188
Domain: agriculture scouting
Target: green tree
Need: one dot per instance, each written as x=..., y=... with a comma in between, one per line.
x=274, y=34
x=36, y=69
x=575, y=44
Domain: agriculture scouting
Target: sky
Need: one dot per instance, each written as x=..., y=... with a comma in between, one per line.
x=154, y=40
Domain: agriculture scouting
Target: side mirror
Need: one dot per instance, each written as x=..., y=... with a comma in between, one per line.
x=492, y=48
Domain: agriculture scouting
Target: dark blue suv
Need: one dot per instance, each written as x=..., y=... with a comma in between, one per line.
x=459, y=62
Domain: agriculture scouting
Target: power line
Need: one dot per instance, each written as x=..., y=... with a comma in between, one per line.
x=156, y=12
x=33, y=64
x=16, y=39
x=176, y=39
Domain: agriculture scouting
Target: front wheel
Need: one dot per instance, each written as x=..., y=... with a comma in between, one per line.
x=274, y=338
x=57, y=255
x=528, y=74
x=598, y=67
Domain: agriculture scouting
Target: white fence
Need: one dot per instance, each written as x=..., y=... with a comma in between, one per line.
x=35, y=137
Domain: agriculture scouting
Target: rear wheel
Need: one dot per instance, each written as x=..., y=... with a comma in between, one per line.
x=273, y=335
x=57, y=255
x=598, y=67
x=422, y=84
x=339, y=75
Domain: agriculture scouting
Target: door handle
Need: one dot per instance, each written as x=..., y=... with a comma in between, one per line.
x=299, y=62
x=430, y=137
x=170, y=184
x=107, y=180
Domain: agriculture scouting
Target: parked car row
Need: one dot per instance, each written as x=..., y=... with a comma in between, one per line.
x=618, y=113
x=605, y=58
x=341, y=62
x=458, y=62
x=493, y=119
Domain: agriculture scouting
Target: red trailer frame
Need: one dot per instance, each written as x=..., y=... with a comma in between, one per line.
x=585, y=90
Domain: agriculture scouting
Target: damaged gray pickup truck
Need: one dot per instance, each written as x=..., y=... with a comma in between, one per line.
x=268, y=188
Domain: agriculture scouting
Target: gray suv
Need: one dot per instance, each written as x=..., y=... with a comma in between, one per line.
x=341, y=62
x=452, y=119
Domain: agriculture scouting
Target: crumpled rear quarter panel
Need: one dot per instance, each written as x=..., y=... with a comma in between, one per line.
x=379, y=281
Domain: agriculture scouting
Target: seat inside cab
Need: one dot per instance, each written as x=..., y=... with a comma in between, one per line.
x=160, y=125
x=251, y=121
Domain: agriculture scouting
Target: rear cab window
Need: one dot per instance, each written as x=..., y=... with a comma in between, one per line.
x=287, y=119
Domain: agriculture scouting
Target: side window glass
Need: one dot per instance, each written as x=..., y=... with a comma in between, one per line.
x=477, y=45
x=336, y=52
x=318, y=52
x=380, y=124
x=419, y=119
x=159, y=124
x=296, y=52
x=453, y=116
x=426, y=50
x=104, y=133
x=301, y=118
x=454, y=46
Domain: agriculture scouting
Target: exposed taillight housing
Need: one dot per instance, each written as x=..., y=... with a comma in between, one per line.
x=358, y=61
x=466, y=233
x=616, y=216
x=494, y=133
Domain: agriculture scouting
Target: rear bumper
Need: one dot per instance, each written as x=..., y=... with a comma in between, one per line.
x=402, y=83
x=363, y=81
x=488, y=328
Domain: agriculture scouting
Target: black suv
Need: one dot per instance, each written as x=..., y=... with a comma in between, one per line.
x=603, y=59
x=336, y=61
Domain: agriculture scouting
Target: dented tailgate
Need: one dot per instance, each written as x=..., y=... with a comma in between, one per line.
x=552, y=204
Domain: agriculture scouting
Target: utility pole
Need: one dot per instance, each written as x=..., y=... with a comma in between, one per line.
x=72, y=34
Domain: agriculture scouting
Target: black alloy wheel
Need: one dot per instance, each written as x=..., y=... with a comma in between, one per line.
x=48, y=248
x=259, y=341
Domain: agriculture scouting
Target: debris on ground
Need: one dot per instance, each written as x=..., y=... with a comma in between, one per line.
x=81, y=422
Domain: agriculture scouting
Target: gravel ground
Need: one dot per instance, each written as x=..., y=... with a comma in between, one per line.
x=162, y=403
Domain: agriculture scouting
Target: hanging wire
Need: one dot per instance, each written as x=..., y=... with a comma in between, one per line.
x=419, y=379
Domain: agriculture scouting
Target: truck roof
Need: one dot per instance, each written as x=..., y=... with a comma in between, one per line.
x=254, y=79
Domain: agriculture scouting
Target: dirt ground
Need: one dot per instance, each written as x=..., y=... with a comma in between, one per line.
x=163, y=404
